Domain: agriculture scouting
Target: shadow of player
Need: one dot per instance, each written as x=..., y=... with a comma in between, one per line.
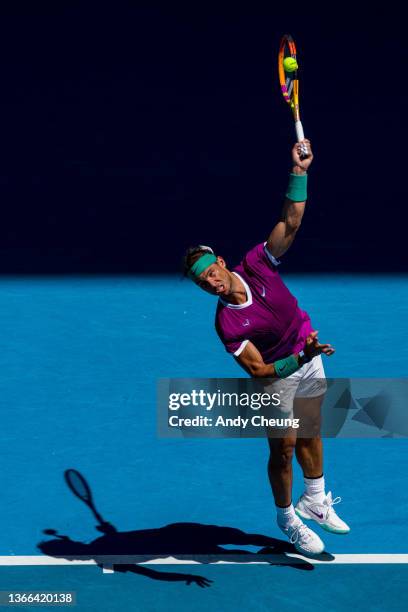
x=184, y=541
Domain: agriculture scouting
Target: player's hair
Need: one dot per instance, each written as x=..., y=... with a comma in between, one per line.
x=193, y=254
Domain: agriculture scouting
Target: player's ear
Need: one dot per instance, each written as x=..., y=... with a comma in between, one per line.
x=221, y=262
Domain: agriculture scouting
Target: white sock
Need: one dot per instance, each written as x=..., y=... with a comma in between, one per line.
x=314, y=487
x=286, y=516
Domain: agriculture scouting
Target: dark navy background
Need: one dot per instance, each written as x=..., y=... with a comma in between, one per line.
x=131, y=131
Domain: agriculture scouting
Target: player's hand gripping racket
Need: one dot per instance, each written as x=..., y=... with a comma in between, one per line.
x=289, y=82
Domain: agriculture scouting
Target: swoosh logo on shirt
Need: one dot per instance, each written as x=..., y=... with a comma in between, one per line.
x=263, y=291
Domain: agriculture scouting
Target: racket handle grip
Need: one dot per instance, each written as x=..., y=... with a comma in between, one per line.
x=300, y=136
x=299, y=131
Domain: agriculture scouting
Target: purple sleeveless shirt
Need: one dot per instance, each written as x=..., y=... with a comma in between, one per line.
x=270, y=318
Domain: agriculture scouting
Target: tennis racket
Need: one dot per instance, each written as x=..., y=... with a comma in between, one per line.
x=289, y=83
x=80, y=488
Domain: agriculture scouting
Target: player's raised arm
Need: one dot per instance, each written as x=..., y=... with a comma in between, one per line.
x=285, y=230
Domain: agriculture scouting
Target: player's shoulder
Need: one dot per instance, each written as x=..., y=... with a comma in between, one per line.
x=259, y=260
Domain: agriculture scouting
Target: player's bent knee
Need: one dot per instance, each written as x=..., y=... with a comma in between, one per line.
x=310, y=428
x=282, y=454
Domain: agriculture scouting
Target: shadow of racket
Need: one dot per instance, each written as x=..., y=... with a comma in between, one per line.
x=80, y=488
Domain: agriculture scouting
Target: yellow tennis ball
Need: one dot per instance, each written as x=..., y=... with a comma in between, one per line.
x=290, y=64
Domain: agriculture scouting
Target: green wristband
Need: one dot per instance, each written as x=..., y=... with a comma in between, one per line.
x=286, y=367
x=297, y=188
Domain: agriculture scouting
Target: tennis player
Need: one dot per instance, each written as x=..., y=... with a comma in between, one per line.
x=261, y=325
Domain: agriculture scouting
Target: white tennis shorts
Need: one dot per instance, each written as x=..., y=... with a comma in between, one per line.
x=309, y=381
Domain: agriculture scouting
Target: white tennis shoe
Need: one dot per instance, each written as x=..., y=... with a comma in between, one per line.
x=306, y=541
x=323, y=513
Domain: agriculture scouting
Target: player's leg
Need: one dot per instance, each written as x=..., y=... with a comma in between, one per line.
x=282, y=442
x=280, y=477
x=314, y=504
x=280, y=468
x=309, y=447
x=307, y=406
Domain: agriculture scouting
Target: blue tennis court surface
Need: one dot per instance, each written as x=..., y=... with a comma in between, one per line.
x=80, y=360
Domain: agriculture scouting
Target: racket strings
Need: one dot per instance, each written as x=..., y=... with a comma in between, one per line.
x=289, y=76
x=78, y=485
x=289, y=86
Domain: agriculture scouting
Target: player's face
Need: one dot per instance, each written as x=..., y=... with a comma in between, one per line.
x=215, y=280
